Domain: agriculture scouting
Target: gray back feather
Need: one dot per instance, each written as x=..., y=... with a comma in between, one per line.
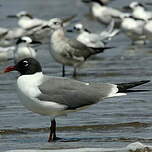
x=81, y=50
x=74, y=94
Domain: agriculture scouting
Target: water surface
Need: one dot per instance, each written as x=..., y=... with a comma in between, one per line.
x=114, y=122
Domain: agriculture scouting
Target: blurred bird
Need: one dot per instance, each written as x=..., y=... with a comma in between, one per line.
x=24, y=49
x=14, y=33
x=7, y=53
x=94, y=40
x=139, y=11
x=133, y=28
x=105, y=14
x=27, y=21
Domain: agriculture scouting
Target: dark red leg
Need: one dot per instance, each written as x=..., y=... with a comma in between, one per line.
x=52, y=135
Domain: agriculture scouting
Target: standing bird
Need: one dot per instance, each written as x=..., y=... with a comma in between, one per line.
x=27, y=21
x=55, y=96
x=24, y=49
x=105, y=14
x=139, y=11
x=68, y=51
x=134, y=29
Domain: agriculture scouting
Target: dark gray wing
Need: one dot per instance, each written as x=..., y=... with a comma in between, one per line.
x=74, y=94
x=81, y=50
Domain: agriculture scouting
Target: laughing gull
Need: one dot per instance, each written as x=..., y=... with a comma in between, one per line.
x=93, y=39
x=134, y=29
x=105, y=14
x=24, y=49
x=68, y=51
x=139, y=11
x=55, y=96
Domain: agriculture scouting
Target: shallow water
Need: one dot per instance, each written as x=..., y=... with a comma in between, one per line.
x=114, y=122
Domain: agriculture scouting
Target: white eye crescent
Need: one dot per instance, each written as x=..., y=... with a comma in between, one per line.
x=25, y=63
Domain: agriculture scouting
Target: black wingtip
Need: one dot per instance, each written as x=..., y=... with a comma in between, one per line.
x=102, y=49
x=109, y=47
x=123, y=87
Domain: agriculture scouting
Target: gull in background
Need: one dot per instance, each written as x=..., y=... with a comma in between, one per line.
x=24, y=49
x=134, y=29
x=56, y=96
x=27, y=21
x=68, y=51
x=14, y=33
x=105, y=14
x=139, y=11
x=11, y=36
x=7, y=53
x=93, y=39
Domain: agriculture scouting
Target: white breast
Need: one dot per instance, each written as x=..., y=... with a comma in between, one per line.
x=28, y=90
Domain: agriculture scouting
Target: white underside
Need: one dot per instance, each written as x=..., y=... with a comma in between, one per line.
x=28, y=91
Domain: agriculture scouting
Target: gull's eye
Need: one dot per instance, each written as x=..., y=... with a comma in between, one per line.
x=56, y=23
x=25, y=63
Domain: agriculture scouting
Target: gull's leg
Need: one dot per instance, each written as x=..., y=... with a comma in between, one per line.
x=75, y=72
x=63, y=70
x=52, y=135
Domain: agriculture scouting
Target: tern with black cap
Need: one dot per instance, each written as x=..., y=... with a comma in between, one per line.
x=105, y=14
x=24, y=49
x=139, y=11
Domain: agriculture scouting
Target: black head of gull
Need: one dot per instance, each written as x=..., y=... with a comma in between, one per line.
x=26, y=66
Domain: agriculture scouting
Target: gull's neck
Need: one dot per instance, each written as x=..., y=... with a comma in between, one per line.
x=58, y=34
